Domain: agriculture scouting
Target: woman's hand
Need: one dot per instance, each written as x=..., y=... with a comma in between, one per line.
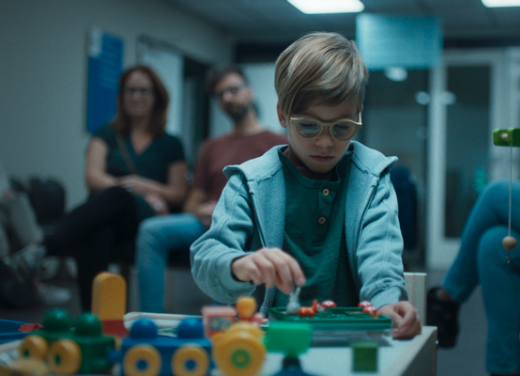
x=172, y=192
x=405, y=317
x=271, y=266
x=157, y=203
x=136, y=184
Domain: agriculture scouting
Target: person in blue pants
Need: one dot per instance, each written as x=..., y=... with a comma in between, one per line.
x=483, y=260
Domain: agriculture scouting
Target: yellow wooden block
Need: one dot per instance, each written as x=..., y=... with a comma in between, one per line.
x=109, y=296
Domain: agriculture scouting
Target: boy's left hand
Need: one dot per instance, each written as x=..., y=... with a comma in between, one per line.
x=405, y=317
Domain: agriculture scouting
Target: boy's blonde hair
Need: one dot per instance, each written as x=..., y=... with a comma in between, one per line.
x=319, y=68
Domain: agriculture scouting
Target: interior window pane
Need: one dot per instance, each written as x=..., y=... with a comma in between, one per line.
x=467, y=142
x=395, y=123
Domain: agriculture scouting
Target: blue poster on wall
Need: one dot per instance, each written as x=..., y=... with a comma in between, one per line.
x=105, y=65
x=413, y=42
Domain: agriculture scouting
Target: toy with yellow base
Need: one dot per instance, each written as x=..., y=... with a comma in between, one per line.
x=68, y=351
x=147, y=353
x=239, y=351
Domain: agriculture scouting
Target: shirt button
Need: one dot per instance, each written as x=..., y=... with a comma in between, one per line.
x=325, y=192
x=322, y=220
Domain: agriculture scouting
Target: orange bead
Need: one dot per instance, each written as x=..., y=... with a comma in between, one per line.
x=509, y=243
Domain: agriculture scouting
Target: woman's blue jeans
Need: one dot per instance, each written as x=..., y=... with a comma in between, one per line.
x=482, y=259
x=157, y=237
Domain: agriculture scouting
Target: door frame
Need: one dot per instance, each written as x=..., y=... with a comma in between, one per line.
x=440, y=250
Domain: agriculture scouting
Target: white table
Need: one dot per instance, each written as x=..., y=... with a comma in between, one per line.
x=415, y=357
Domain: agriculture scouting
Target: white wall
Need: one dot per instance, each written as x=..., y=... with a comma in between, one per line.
x=43, y=67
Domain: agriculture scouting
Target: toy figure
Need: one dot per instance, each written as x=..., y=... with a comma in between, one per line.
x=293, y=306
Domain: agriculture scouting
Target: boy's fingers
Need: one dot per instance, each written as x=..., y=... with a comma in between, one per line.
x=410, y=324
x=294, y=270
x=283, y=277
x=408, y=330
x=266, y=269
x=254, y=274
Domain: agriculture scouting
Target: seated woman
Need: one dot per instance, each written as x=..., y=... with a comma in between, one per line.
x=482, y=259
x=134, y=170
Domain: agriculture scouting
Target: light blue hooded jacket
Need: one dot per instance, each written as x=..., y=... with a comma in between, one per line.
x=251, y=215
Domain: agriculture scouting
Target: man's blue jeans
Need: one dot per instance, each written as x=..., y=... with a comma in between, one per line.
x=157, y=237
x=482, y=259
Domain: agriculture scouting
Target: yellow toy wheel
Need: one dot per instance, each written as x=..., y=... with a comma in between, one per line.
x=34, y=346
x=240, y=354
x=64, y=357
x=190, y=360
x=142, y=360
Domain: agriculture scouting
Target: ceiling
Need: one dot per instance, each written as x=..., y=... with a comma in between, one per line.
x=277, y=20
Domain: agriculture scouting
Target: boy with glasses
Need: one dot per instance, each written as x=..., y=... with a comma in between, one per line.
x=321, y=212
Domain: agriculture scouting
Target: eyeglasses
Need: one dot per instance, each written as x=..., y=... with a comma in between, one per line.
x=231, y=90
x=341, y=130
x=143, y=91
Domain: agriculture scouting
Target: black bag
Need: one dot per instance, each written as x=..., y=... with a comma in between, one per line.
x=16, y=291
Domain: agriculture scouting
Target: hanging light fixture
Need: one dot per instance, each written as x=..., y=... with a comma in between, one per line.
x=501, y=3
x=328, y=6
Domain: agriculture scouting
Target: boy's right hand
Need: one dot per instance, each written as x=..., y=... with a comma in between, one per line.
x=271, y=266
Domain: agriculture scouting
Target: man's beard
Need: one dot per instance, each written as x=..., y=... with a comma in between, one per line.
x=239, y=113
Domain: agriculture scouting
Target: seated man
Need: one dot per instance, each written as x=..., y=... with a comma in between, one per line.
x=159, y=236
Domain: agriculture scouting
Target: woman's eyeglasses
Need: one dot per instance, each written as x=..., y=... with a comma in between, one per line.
x=341, y=130
x=144, y=92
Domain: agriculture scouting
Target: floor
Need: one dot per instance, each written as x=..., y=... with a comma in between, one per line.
x=467, y=358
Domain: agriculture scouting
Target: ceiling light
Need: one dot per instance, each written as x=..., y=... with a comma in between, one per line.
x=501, y=3
x=398, y=74
x=328, y=6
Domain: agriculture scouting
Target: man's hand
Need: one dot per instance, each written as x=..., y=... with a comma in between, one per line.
x=157, y=203
x=205, y=212
x=405, y=317
x=271, y=266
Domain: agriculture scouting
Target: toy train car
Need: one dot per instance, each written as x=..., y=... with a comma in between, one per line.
x=84, y=349
x=69, y=351
x=146, y=352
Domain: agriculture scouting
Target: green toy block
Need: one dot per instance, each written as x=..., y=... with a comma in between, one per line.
x=364, y=356
x=291, y=339
x=512, y=138
x=93, y=346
